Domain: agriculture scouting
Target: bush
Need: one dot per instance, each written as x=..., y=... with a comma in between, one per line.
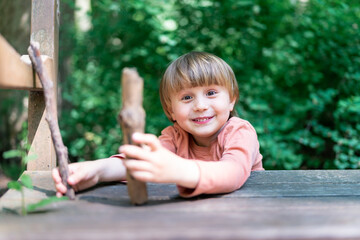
x=297, y=65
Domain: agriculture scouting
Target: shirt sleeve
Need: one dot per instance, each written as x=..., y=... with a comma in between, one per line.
x=241, y=152
x=167, y=138
x=120, y=156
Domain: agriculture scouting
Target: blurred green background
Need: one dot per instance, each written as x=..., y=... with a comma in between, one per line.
x=297, y=64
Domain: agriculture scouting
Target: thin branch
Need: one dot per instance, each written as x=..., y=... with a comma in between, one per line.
x=51, y=116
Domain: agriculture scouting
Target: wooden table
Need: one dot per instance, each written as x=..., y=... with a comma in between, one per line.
x=271, y=205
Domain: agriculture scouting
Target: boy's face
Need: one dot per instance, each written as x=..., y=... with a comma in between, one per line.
x=202, y=111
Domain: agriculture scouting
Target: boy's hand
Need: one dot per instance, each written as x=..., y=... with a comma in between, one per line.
x=157, y=164
x=82, y=175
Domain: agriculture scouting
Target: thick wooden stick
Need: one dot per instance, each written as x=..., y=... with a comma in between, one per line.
x=132, y=119
x=51, y=116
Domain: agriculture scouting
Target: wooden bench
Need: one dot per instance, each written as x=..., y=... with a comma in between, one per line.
x=271, y=205
x=323, y=204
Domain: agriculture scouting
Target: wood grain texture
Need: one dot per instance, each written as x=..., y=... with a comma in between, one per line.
x=44, y=29
x=105, y=212
x=16, y=73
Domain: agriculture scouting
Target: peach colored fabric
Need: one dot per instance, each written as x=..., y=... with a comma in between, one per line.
x=226, y=164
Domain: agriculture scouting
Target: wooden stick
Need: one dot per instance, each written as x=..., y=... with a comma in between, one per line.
x=132, y=119
x=51, y=116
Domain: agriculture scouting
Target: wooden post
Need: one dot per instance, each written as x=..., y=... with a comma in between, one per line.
x=44, y=29
x=132, y=119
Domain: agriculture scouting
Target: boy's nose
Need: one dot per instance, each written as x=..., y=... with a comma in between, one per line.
x=200, y=105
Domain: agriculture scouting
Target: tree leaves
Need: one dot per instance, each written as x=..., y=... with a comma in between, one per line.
x=26, y=181
x=297, y=64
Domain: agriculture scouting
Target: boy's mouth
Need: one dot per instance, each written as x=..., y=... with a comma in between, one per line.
x=202, y=120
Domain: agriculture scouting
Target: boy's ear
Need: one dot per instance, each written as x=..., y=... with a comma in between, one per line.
x=232, y=104
x=172, y=115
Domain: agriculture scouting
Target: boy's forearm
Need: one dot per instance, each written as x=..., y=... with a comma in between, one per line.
x=111, y=169
x=188, y=174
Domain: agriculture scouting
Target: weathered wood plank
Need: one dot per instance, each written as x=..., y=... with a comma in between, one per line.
x=202, y=219
x=45, y=30
x=39, y=136
x=301, y=183
x=305, y=176
x=16, y=73
x=105, y=212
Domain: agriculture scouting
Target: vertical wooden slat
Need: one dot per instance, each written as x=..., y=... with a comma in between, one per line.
x=45, y=30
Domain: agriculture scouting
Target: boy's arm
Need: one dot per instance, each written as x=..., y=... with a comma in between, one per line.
x=111, y=170
x=240, y=156
x=83, y=175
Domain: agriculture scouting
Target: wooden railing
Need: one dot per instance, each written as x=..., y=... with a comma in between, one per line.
x=16, y=73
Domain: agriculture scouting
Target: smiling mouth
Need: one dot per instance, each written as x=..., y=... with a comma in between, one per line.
x=202, y=120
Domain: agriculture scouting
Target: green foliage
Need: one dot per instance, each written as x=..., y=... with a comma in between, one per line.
x=32, y=208
x=297, y=64
x=346, y=137
x=13, y=161
x=25, y=181
x=15, y=185
x=310, y=64
x=92, y=93
x=23, y=153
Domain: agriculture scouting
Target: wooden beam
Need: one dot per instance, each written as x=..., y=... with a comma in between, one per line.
x=45, y=30
x=16, y=72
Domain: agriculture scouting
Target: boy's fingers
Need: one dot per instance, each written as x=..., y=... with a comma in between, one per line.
x=136, y=165
x=149, y=139
x=143, y=176
x=60, y=187
x=82, y=186
x=72, y=179
x=134, y=152
x=55, y=175
x=76, y=177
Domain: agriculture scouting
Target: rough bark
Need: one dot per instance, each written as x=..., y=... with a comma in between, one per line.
x=132, y=119
x=51, y=116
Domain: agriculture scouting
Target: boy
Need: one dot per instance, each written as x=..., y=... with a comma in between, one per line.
x=206, y=150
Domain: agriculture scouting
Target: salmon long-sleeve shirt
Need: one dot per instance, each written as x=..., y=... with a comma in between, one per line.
x=226, y=164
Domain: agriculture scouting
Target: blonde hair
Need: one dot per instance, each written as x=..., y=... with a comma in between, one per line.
x=196, y=69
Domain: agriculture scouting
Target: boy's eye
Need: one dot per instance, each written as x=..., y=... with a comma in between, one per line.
x=186, y=98
x=211, y=93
